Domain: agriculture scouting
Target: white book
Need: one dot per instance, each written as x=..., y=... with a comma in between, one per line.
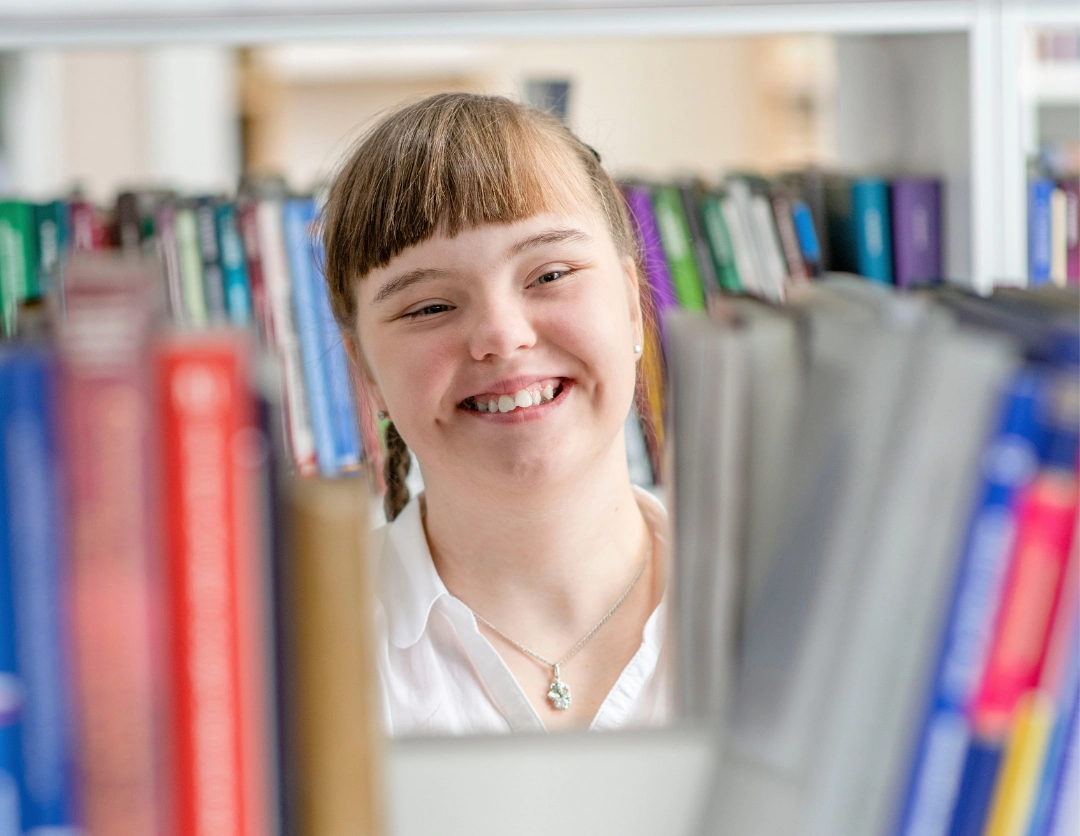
x=769, y=242
x=276, y=279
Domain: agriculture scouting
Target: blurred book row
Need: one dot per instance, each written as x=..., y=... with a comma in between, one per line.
x=877, y=576
x=1054, y=230
x=253, y=262
x=184, y=636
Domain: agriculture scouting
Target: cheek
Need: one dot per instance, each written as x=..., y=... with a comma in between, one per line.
x=412, y=372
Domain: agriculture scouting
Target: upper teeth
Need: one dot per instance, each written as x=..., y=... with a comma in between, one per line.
x=521, y=399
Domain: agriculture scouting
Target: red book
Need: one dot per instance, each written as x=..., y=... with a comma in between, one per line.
x=1046, y=524
x=88, y=228
x=215, y=657
x=110, y=307
x=248, y=219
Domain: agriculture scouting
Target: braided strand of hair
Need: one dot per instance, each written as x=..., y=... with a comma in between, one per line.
x=395, y=469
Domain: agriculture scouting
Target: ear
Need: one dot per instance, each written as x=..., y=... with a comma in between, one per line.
x=633, y=288
x=363, y=371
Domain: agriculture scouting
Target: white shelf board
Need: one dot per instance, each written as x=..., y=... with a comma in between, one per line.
x=1055, y=84
x=228, y=22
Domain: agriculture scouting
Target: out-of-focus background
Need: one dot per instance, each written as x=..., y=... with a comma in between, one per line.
x=109, y=96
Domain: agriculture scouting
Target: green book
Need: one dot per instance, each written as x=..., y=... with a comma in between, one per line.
x=678, y=247
x=18, y=247
x=191, y=266
x=723, y=253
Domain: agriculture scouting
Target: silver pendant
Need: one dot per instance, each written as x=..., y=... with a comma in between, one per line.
x=559, y=692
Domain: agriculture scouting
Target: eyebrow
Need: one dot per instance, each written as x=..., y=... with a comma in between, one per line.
x=407, y=280
x=426, y=274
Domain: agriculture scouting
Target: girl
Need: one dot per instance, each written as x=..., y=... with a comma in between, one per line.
x=482, y=267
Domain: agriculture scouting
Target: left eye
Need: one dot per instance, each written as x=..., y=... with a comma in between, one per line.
x=551, y=276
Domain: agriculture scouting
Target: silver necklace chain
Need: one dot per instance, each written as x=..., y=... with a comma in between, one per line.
x=589, y=635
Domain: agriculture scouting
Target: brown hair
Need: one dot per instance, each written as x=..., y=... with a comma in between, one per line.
x=451, y=162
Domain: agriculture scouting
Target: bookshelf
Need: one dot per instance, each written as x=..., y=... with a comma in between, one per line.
x=954, y=64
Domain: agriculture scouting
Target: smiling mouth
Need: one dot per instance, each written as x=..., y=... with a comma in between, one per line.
x=523, y=399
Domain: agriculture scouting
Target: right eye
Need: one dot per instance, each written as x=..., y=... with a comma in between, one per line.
x=428, y=310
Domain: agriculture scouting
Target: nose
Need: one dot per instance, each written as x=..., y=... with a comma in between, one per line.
x=501, y=327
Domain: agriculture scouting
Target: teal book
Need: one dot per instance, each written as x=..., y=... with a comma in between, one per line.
x=872, y=229
x=720, y=246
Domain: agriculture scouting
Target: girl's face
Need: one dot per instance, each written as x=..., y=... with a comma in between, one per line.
x=536, y=320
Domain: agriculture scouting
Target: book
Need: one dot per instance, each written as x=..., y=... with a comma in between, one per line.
x=169, y=252
x=336, y=717
x=51, y=220
x=275, y=264
x=916, y=230
x=789, y=238
x=205, y=410
x=872, y=229
x=840, y=223
x=18, y=264
x=678, y=247
x=742, y=246
x=809, y=241
x=1059, y=244
x=1039, y=234
x=248, y=219
x=298, y=215
x=111, y=307
x=720, y=246
x=233, y=265
x=33, y=544
x=809, y=188
x=755, y=226
x=772, y=254
x=343, y=410
x=210, y=254
x=88, y=229
x=1071, y=187
x=1009, y=463
x=691, y=195
x=189, y=257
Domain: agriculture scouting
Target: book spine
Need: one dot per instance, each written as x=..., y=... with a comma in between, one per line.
x=128, y=227
x=299, y=214
x=656, y=269
x=1059, y=247
x=723, y=254
x=789, y=239
x=29, y=462
x=809, y=242
x=691, y=203
x=1065, y=798
x=916, y=218
x=873, y=229
x=248, y=213
x=342, y=398
x=233, y=266
x=49, y=220
x=169, y=249
x=1009, y=463
x=210, y=253
x=739, y=213
x=741, y=246
x=283, y=330
x=678, y=248
x=191, y=269
x=1039, y=191
x=1071, y=187
x=105, y=427
x=204, y=412
x=840, y=224
x=768, y=245
x=1046, y=523
x=18, y=247
x=12, y=693
x=1014, y=792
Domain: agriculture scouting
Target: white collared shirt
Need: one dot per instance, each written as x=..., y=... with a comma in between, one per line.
x=441, y=676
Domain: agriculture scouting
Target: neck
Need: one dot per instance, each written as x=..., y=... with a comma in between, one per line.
x=525, y=558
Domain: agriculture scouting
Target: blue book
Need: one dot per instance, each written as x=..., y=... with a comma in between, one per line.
x=29, y=458
x=342, y=402
x=1065, y=805
x=12, y=693
x=1009, y=463
x=977, y=787
x=807, y=235
x=234, y=275
x=1039, y=192
x=299, y=216
x=873, y=229
x=1057, y=750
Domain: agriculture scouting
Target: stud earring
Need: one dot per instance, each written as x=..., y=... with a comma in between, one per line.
x=382, y=415
x=637, y=349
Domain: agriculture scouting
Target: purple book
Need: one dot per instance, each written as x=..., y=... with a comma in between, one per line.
x=656, y=269
x=916, y=219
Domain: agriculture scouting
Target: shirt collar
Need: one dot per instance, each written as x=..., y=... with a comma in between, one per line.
x=411, y=583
